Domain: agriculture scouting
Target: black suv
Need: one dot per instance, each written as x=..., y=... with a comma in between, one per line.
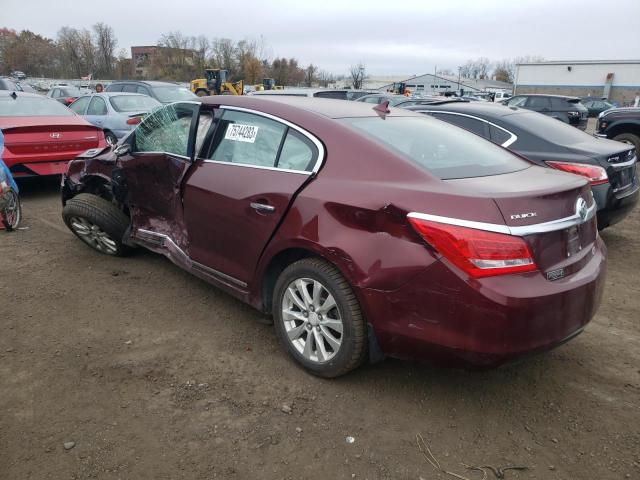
x=622, y=124
x=566, y=109
x=164, y=92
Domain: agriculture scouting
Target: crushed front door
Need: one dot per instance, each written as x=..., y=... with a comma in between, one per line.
x=161, y=152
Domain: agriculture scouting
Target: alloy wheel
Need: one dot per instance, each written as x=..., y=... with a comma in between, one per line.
x=312, y=320
x=93, y=235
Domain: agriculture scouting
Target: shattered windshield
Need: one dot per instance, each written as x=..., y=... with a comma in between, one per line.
x=166, y=130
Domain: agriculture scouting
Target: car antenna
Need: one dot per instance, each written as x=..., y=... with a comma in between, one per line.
x=14, y=95
x=383, y=108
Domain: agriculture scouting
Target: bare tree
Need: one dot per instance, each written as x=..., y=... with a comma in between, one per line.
x=357, y=73
x=483, y=66
x=310, y=75
x=503, y=71
x=106, y=44
x=325, y=78
x=224, y=55
x=69, y=52
x=445, y=71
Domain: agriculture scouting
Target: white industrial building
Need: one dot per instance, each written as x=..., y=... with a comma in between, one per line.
x=617, y=80
x=431, y=84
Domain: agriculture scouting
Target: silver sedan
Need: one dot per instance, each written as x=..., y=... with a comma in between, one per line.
x=117, y=113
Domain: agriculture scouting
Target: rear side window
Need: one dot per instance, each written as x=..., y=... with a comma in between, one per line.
x=441, y=149
x=337, y=95
x=472, y=124
x=538, y=103
x=130, y=88
x=498, y=135
x=115, y=88
x=298, y=152
x=247, y=139
x=559, y=104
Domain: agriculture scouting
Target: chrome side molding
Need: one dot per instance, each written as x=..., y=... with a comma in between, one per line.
x=545, y=227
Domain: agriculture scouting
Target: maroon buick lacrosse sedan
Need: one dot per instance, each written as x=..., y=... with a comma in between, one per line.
x=364, y=231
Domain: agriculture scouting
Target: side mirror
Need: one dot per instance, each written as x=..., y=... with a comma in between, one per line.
x=122, y=150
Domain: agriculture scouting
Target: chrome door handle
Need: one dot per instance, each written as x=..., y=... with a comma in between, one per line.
x=262, y=207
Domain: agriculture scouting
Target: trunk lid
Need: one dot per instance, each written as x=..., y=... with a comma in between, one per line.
x=43, y=139
x=529, y=200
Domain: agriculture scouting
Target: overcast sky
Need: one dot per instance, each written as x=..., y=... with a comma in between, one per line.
x=390, y=37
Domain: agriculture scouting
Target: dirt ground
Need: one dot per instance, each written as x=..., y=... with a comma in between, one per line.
x=154, y=374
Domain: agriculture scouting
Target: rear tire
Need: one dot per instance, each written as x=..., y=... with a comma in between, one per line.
x=97, y=222
x=326, y=340
x=202, y=93
x=629, y=138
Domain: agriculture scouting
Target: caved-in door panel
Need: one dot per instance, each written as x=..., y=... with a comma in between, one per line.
x=225, y=232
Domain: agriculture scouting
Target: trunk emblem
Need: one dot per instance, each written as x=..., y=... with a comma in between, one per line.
x=55, y=135
x=555, y=274
x=581, y=209
x=519, y=216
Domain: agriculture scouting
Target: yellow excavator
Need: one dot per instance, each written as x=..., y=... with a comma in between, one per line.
x=267, y=84
x=216, y=83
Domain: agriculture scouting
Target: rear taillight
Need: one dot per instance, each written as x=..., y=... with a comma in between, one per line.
x=134, y=120
x=596, y=175
x=477, y=252
x=69, y=100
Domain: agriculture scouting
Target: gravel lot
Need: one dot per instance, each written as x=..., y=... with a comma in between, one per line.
x=132, y=369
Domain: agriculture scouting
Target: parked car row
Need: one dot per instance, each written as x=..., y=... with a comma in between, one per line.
x=357, y=225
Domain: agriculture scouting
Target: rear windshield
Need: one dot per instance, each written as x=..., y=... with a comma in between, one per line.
x=172, y=94
x=30, y=106
x=445, y=151
x=133, y=103
x=549, y=128
x=71, y=92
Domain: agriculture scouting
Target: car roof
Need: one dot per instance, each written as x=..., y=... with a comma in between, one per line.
x=488, y=109
x=6, y=93
x=279, y=105
x=112, y=94
x=151, y=83
x=302, y=91
x=546, y=95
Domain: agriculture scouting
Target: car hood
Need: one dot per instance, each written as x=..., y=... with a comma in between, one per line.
x=40, y=121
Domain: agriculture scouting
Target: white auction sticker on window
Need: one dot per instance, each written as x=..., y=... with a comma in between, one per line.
x=241, y=133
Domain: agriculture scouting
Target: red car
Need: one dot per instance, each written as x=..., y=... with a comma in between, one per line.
x=365, y=231
x=41, y=135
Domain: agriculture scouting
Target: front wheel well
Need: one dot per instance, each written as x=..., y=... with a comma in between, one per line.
x=95, y=185
x=276, y=266
x=624, y=128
